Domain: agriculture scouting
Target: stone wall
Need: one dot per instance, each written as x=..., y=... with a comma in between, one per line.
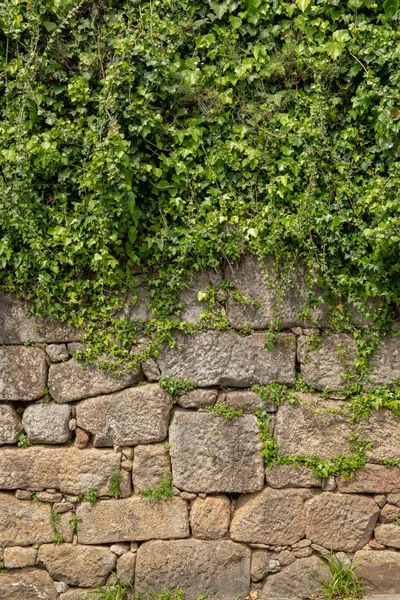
x=233, y=527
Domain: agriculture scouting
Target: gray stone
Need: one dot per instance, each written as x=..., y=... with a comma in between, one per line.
x=261, y=282
x=388, y=534
x=264, y=562
x=302, y=578
x=10, y=425
x=378, y=570
x=220, y=569
x=77, y=565
x=341, y=521
x=209, y=454
x=69, y=381
x=74, y=594
x=132, y=519
x=136, y=308
x=47, y=423
x=225, y=358
x=120, y=549
x=23, y=373
x=68, y=469
x=385, y=362
x=372, y=479
x=192, y=307
x=32, y=584
x=126, y=567
x=288, y=476
x=270, y=517
x=57, y=352
x=389, y=513
x=197, y=398
x=150, y=463
x=17, y=326
x=133, y=416
x=210, y=517
x=248, y=401
x=151, y=370
x=18, y=557
x=324, y=366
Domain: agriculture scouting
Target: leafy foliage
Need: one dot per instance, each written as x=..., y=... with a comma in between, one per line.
x=224, y=410
x=162, y=491
x=115, y=483
x=174, y=387
x=343, y=583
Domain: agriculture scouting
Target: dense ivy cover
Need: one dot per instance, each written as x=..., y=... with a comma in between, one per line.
x=164, y=136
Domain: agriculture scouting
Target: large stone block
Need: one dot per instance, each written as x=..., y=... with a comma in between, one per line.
x=324, y=366
x=67, y=469
x=274, y=517
x=47, y=423
x=341, y=521
x=388, y=534
x=289, y=476
x=133, y=416
x=150, y=463
x=209, y=454
x=32, y=584
x=83, y=566
x=210, y=517
x=225, y=358
x=385, y=362
x=378, y=570
x=17, y=557
x=23, y=373
x=300, y=579
x=17, y=326
x=10, y=424
x=220, y=569
x=372, y=479
x=261, y=282
x=69, y=381
x=132, y=519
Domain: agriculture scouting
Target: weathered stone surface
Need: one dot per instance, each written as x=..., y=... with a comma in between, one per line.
x=220, y=569
x=378, y=570
x=57, y=352
x=192, y=307
x=394, y=499
x=269, y=517
x=47, y=423
x=211, y=455
x=10, y=424
x=17, y=326
x=301, y=578
x=288, y=476
x=23, y=373
x=136, y=308
x=372, y=479
x=32, y=584
x=69, y=381
x=308, y=429
x=210, y=517
x=83, y=566
x=248, y=401
x=18, y=557
x=264, y=562
x=324, y=366
x=132, y=519
x=133, y=416
x=68, y=469
x=341, y=521
x=389, y=513
x=388, y=534
x=225, y=358
x=74, y=594
x=261, y=282
x=150, y=463
x=197, y=398
x=385, y=362
x=126, y=567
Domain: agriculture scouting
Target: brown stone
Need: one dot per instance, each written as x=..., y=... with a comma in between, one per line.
x=372, y=479
x=32, y=584
x=264, y=562
x=269, y=517
x=385, y=362
x=324, y=366
x=288, y=476
x=378, y=570
x=18, y=557
x=150, y=463
x=81, y=438
x=47, y=423
x=126, y=567
x=210, y=518
x=302, y=578
x=132, y=519
x=197, y=398
x=220, y=569
x=341, y=521
x=248, y=401
x=388, y=534
x=23, y=373
x=389, y=513
x=10, y=425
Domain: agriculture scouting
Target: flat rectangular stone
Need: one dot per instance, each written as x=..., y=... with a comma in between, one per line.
x=132, y=519
x=32, y=584
x=385, y=362
x=226, y=358
x=67, y=469
x=372, y=479
x=209, y=454
x=23, y=373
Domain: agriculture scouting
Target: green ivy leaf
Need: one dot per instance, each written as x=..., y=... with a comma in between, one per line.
x=49, y=25
x=334, y=49
x=391, y=7
x=303, y=4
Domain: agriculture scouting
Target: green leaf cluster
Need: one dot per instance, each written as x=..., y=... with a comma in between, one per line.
x=224, y=410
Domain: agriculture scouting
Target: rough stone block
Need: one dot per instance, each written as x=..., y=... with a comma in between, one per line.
x=67, y=469
x=47, y=423
x=23, y=373
x=264, y=562
x=132, y=519
x=133, y=416
x=261, y=282
x=324, y=366
x=301, y=579
x=378, y=570
x=34, y=584
x=372, y=479
x=57, y=352
x=17, y=326
x=10, y=425
x=225, y=358
x=220, y=569
x=83, y=566
x=248, y=401
x=18, y=557
x=388, y=534
x=69, y=381
x=385, y=362
x=389, y=513
x=272, y=517
x=209, y=454
x=341, y=521
x=150, y=463
x=210, y=517
x=126, y=567
x=197, y=398
x=288, y=476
